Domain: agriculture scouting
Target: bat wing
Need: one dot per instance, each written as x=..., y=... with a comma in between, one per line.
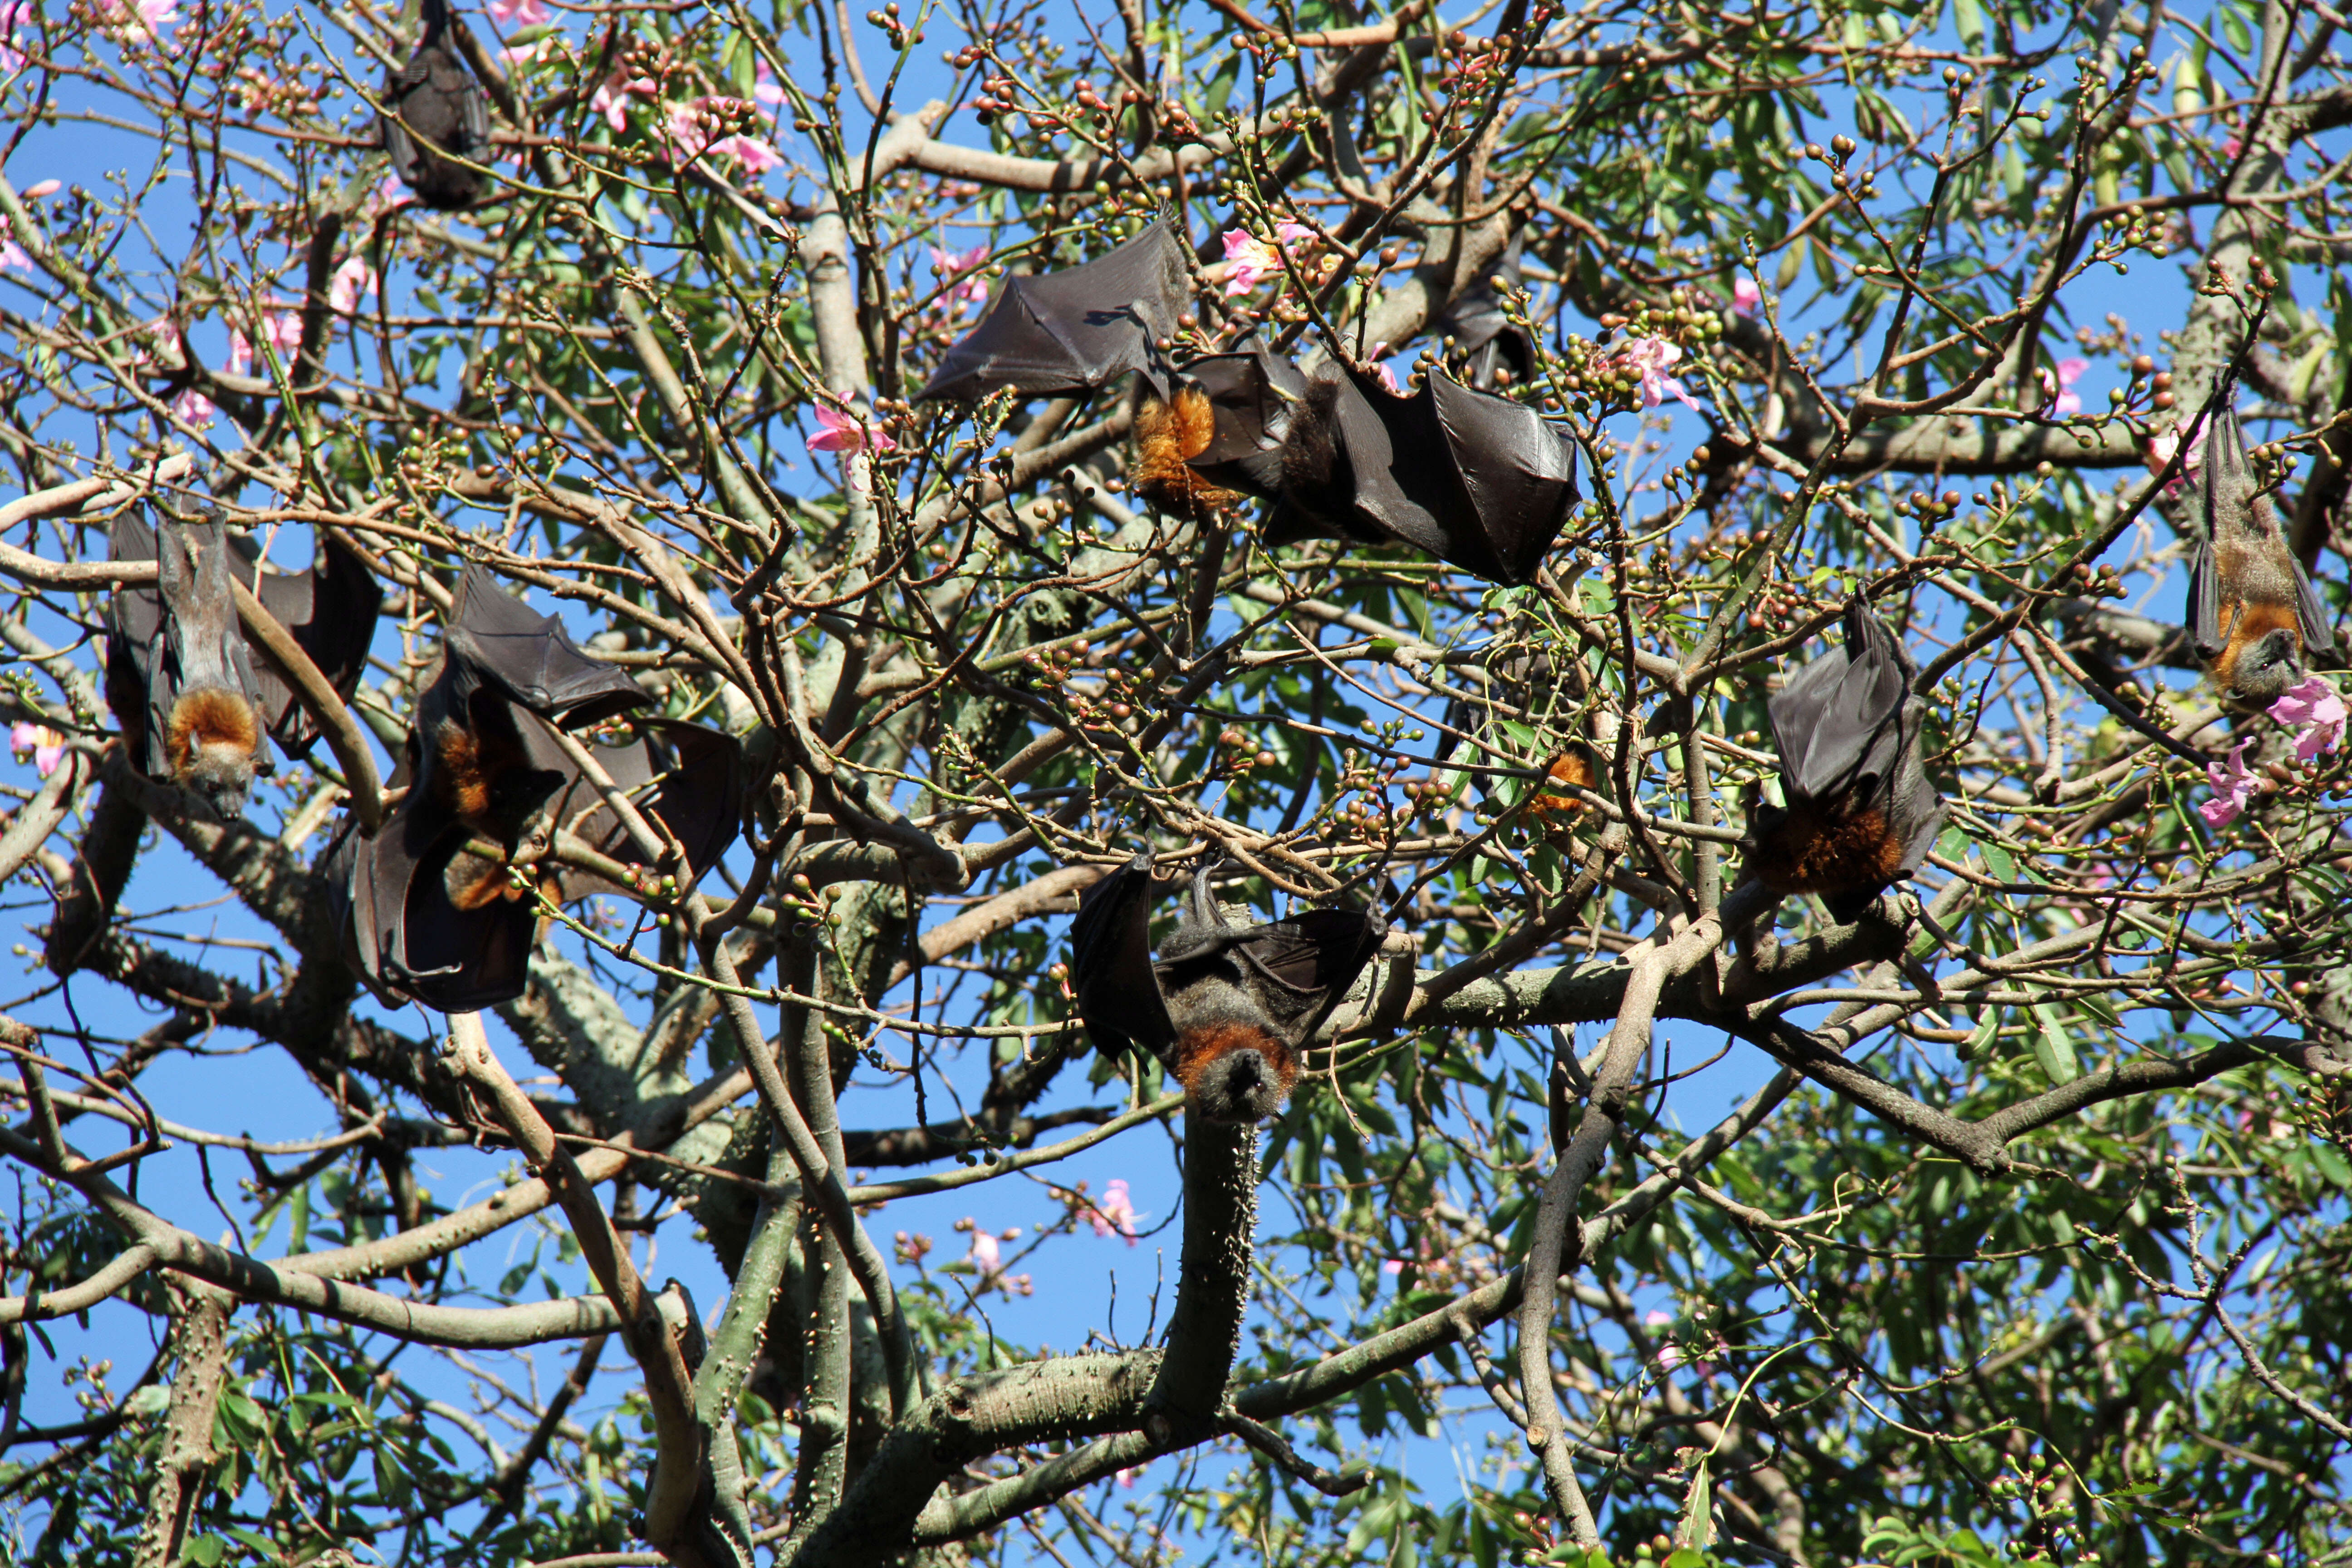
x=532, y=659
x=1110, y=964
x=1479, y=333
x=434, y=97
x=688, y=777
x=2311, y=615
x=141, y=686
x=331, y=610
x=1251, y=396
x=1518, y=473
x=1301, y=968
x=408, y=939
x=1837, y=724
x=1473, y=479
x=199, y=610
x=1066, y=332
x=2205, y=634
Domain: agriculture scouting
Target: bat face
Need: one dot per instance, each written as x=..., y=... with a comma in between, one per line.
x=431, y=916
x=1470, y=478
x=2254, y=619
x=1861, y=813
x=435, y=113
x=1068, y=332
x=178, y=677
x=1225, y=1008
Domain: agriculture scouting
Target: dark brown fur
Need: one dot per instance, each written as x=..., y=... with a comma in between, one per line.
x=1166, y=434
x=1206, y=1057
x=1811, y=851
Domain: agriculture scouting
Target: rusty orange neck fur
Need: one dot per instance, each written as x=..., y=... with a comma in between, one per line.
x=210, y=718
x=1197, y=1050
x=1165, y=435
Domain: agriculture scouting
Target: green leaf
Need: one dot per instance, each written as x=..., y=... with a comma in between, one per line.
x=2051, y=1046
x=2234, y=28
x=1695, y=1532
x=207, y=1549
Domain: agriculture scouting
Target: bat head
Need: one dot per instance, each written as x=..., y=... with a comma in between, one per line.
x=2263, y=658
x=213, y=742
x=1235, y=1070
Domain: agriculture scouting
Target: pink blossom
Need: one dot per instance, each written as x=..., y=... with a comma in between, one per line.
x=2056, y=394
x=1115, y=1212
x=2157, y=450
x=150, y=17
x=513, y=14
x=766, y=88
x=1250, y=261
x=611, y=98
x=1651, y=359
x=351, y=279
x=848, y=433
x=1746, y=299
x=2233, y=786
x=389, y=194
x=523, y=54
x=48, y=747
x=240, y=352
x=970, y=288
x=193, y=409
x=1126, y=1478
x=751, y=157
x=11, y=253
x=40, y=188
x=2318, y=714
x=1393, y=1266
x=985, y=1255
x=12, y=37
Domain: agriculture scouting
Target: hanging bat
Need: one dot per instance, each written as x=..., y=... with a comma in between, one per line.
x=1224, y=1008
x=2253, y=618
x=331, y=611
x=1479, y=336
x=1467, y=477
x=1065, y=333
x=434, y=115
x=177, y=675
x=433, y=918
x=1860, y=815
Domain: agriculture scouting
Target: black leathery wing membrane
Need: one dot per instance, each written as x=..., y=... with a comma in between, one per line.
x=432, y=918
x=181, y=636
x=1073, y=331
x=332, y=612
x=1282, y=978
x=434, y=97
x=1848, y=729
x=1489, y=482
